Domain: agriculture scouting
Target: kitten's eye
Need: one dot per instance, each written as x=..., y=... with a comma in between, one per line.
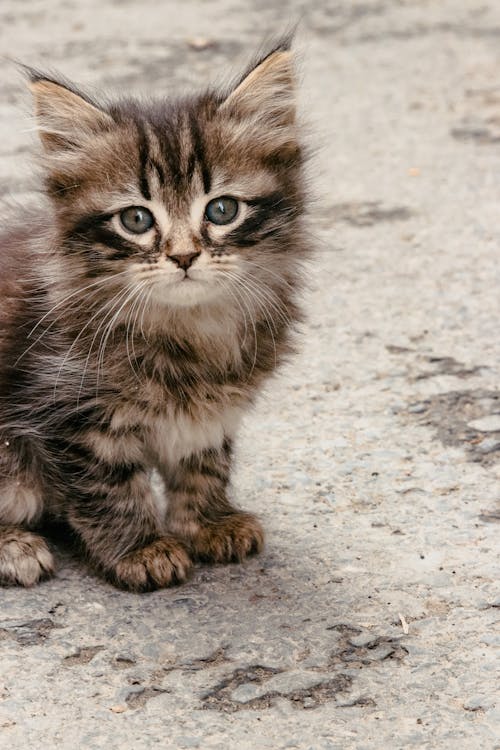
x=222, y=210
x=137, y=219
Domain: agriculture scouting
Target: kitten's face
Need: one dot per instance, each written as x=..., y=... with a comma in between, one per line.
x=180, y=204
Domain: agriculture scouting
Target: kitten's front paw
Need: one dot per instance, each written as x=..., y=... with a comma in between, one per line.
x=230, y=539
x=25, y=558
x=164, y=562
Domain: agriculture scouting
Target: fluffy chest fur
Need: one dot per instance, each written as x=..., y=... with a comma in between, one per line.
x=183, y=399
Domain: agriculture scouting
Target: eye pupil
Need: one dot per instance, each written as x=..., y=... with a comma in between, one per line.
x=137, y=219
x=222, y=210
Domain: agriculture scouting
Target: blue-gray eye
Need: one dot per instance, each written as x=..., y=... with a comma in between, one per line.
x=137, y=219
x=222, y=210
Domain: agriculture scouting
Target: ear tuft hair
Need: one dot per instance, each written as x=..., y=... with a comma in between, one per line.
x=66, y=118
x=267, y=88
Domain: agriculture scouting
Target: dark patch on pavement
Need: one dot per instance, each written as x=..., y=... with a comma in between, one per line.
x=421, y=30
x=338, y=17
x=450, y=414
x=83, y=656
x=447, y=366
x=139, y=696
x=481, y=134
x=213, y=660
x=366, y=650
x=219, y=697
x=395, y=349
x=123, y=662
x=27, y=633
x=344, y=629
x=490, y=516
x=439, y=364
x=357, y=648
x=354, y=649
x=368, y=213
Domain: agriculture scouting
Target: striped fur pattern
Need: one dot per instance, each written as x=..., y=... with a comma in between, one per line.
x=125, y=351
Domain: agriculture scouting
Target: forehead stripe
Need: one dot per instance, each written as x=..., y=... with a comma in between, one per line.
x=143, y=158
x=199, y=153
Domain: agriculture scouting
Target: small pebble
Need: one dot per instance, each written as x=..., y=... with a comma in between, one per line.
x=417, y=408
x=200, y=43
x=491, y=423
x=119, y=709
x=309, y=702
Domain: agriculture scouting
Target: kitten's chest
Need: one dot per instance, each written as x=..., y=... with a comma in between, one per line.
x=172, y=437
x=170, y=432
x=177, y=418
x=183, y=400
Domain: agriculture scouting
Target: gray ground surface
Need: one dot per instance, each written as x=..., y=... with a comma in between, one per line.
x=373, y=461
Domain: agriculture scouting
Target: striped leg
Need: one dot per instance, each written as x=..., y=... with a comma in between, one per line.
x=114, y=513
x=200, y=512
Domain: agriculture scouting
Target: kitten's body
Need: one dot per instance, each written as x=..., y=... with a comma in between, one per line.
x=121, y=352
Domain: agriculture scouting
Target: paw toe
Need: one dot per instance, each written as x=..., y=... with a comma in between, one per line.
x=231, y=539
x=162, y=563
x=25, y=558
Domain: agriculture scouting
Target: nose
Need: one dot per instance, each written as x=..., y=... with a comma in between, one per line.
x=184, y=260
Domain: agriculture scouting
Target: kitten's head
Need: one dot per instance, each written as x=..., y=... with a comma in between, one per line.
x=187, y=202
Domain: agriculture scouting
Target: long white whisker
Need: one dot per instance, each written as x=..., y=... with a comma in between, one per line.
x=264, y=296
x=264, y=311
x=251, y=317
x=132, y=318
x=112, y=306
x=106, y=280
x=227, y=288
x=265, y=269
x=70, y=307
x=144, y=308
x=111, y=302
x=109, y=328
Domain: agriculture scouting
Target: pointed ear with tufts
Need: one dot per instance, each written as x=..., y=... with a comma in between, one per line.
x=65, y=118
x=267, y=90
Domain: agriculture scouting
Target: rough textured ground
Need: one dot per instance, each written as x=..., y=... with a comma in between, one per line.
x=374, y=462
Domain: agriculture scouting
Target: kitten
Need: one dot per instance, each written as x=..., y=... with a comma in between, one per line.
x=142, y=309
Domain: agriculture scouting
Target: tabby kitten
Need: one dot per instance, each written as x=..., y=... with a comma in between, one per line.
x=142, y=309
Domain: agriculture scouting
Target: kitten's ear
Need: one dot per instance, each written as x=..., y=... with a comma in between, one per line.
x=65, y=118
x=267, y=90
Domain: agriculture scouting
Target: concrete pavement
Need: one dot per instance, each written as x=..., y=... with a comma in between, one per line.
x=373, y=461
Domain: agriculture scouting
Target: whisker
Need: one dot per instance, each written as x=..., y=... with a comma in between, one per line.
x=109, y=329
x=133, y=313
x=106, y=280
x=254, y=328
x=265, y=269
x=227, y=288
x=69, y=308
x=111, y=302
x=144, y=308
x=264, y=311
x=264, y=296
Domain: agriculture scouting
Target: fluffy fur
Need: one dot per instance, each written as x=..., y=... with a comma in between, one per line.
x=122, y=352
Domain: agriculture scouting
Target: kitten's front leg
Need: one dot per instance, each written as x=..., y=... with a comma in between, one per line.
x=200, y=512
x=114, y=513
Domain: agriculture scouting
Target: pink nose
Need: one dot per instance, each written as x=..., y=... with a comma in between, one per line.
x=184, y=260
